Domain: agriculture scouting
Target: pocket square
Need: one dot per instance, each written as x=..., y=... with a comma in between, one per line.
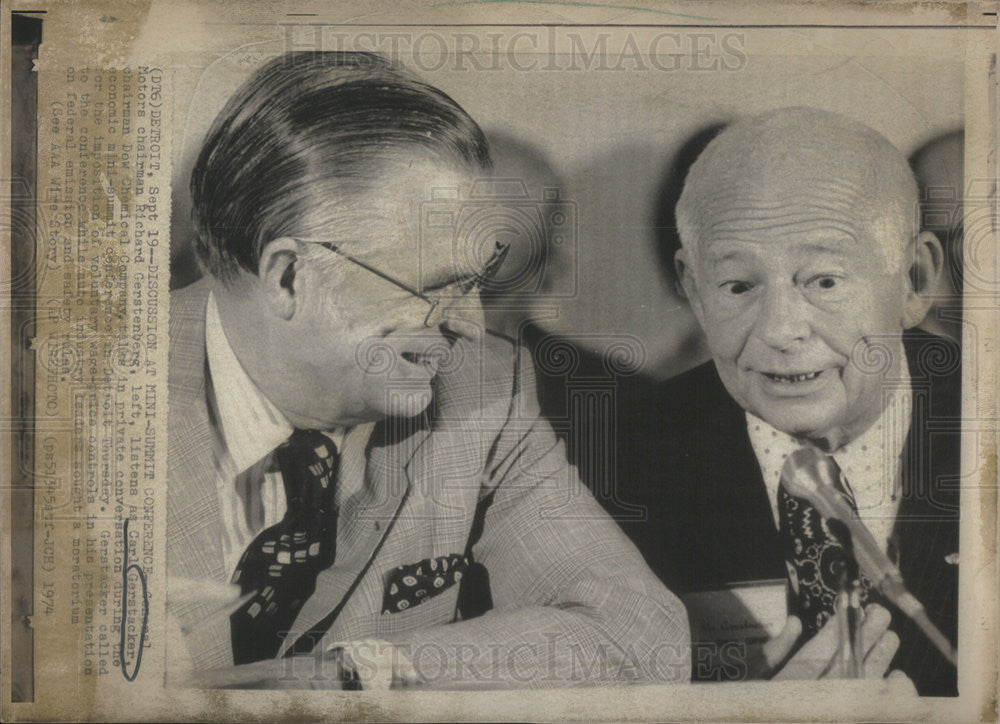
x=412, y=584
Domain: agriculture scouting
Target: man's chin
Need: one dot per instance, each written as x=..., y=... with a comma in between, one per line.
x=408, y=401
x=796, y=418
x=406, y=391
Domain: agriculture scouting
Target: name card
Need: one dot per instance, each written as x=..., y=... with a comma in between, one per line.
x=727, y=623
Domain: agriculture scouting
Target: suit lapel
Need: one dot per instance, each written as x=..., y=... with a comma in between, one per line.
x=926, y=537
x=402, y=455
x=926, y=531
x=744, y=545
x=194, y=544
x=364, y=522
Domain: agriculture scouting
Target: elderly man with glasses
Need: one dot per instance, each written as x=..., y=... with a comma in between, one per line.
x=361, y=489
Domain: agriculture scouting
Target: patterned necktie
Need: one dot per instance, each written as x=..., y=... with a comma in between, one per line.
x=819, y=558
x=281, y=564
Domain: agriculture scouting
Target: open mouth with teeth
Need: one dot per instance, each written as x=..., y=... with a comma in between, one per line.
x=793, y=378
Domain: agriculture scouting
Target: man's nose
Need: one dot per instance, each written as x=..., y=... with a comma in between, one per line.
x=466, y=318
x=782, y=319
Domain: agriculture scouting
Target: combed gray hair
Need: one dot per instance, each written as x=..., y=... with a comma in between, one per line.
x=310, y=131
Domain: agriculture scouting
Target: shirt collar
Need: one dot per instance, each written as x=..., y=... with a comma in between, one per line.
x=251, y=425
x=875, y=454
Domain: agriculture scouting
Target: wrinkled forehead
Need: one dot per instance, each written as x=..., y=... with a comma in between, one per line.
x=781, y=205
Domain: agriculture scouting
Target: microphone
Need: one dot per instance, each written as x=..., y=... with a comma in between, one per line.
x=810, y=475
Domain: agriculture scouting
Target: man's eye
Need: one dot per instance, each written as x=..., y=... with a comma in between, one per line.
x=824, y=282
x=737, y=287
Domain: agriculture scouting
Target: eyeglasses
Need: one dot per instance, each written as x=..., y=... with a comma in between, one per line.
x=448, y=295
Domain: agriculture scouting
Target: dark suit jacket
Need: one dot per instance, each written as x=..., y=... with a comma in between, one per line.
x=685, y=459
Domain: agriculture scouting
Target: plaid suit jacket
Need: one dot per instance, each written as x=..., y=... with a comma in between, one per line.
x=573, y=601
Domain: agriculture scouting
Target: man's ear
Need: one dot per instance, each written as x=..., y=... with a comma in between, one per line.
x=686, y=277
x=926, y=264
x=277, y=274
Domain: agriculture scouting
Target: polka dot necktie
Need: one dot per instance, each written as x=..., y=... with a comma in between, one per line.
x=819, y=558
x=280, y=566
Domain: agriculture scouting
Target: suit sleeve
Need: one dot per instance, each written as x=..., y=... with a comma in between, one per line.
x=573, y=601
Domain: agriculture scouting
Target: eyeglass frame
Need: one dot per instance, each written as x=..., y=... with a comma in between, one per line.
x=441, y=301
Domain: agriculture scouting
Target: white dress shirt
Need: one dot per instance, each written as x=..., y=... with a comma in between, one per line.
x=870, y=462
x=251, y=492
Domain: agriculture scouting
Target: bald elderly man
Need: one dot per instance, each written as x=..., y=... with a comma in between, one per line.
x=803, y=263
